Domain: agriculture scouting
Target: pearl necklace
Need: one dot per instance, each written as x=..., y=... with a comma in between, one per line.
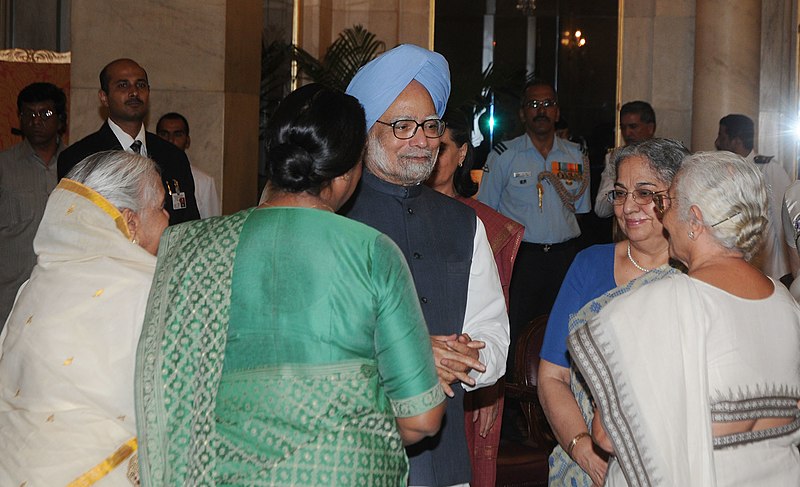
x=635, y=264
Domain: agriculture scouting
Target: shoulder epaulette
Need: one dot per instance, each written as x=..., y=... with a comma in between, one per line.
x=762, y=159
x=499, y=147
x=582, y=144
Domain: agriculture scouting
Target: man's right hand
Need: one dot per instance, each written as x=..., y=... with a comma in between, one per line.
x=455, y=357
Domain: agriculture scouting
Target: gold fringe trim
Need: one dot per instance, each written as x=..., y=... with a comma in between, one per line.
x=564, y=195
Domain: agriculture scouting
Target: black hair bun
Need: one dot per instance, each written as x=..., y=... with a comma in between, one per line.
x=315, y=135
x=292, y=167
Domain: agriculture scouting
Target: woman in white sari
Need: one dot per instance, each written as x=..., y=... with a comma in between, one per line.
x=697, y=376
x=68, y=348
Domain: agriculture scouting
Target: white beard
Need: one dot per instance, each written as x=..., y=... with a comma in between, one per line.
x=402, y=170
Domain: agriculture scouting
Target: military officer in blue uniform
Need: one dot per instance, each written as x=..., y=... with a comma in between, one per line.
x=541, y=181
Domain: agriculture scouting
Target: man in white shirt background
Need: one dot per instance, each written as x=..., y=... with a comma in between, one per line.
x=173, y=127
x=637, y=122
x=736, y=134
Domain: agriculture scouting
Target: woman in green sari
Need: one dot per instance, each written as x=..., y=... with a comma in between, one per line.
x=284, y=345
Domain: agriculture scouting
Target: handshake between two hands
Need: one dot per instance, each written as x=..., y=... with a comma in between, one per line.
x=455, y=357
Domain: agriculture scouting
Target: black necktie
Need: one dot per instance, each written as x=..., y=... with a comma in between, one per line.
x=137, y=146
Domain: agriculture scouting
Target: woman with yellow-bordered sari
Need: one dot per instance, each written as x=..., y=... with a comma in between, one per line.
x=69, y=345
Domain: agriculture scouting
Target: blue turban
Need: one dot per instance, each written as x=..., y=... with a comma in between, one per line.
x=380, y=82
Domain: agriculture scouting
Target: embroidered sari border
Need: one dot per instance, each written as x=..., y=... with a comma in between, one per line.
x=175, y=407
x=412, y=406
x=736, y=439
x=589, y=359
x=367, y=368
x=753, y=414
x=754, y=408
x=504, y=234
x=103, y=468
x=98, y=200
x=597, y=372
x=359, y=368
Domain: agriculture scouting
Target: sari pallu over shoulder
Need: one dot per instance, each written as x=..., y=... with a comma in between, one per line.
x=181, y=351
x=68, y=348
x=642, y=357
x=563, y=470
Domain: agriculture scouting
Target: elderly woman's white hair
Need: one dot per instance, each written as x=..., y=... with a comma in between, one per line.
x=730, y=193
x=120, y=177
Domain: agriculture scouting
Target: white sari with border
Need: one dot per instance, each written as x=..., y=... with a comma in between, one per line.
x=68, y=349
x=665, y=361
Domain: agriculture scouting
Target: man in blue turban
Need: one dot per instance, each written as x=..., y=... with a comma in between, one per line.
x=404, y=93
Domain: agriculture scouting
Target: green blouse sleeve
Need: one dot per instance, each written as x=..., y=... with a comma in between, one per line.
x=402, y=342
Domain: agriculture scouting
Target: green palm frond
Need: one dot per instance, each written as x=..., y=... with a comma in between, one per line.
x=355, y=47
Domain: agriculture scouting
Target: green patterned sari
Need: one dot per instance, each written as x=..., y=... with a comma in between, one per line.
x=278, y=348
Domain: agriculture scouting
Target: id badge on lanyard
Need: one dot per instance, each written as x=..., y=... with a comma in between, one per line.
x=178, y=196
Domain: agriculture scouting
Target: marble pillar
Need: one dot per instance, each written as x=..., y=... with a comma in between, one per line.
x=778, y=101
x=316, y=26
x=203, y=60
x=726, y=65
x=657, y=58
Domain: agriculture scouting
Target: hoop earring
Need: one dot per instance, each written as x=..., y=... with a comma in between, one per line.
x=691, y=235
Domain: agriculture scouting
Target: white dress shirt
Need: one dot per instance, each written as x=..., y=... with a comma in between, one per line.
x=126, y=140
x=486, y=318
x=205, y=191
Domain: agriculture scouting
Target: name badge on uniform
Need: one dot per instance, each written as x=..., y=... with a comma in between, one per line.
x=178, y=196
x=523, y=174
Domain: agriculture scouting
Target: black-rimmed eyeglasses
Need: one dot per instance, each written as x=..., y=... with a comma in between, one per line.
x=405, y=129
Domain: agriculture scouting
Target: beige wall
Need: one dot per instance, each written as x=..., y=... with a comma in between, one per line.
x=657, y=61
x=392, y=21
x=202, y=59
x=658, y=45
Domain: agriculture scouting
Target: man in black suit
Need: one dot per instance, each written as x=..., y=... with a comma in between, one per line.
x=125, y=92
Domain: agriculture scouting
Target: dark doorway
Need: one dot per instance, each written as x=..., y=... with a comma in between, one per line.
x=574, y=46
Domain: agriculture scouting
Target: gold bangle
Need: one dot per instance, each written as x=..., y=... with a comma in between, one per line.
x=575, y=441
